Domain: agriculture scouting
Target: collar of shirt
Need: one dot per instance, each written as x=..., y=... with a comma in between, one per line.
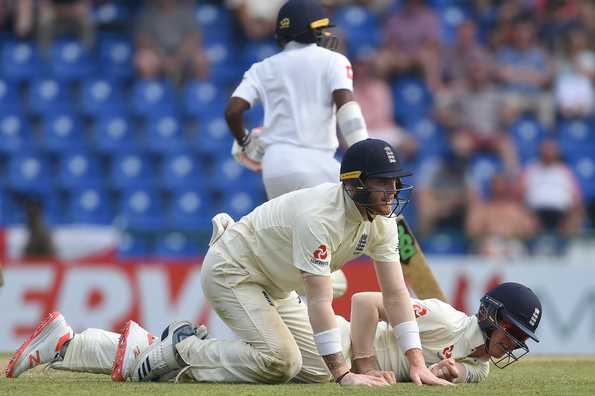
x=295, y=45
x=473, y=335
x=352, y=213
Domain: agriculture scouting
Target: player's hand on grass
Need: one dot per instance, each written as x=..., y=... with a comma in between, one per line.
x=363, y=379
x=422, y=375
x=446, y=369
x=389, y=376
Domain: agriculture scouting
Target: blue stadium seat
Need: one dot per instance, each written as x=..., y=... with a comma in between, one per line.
x=61, y=132
x=584, y=169
x=190, y=209
x=111, y=12
x=28, y=173
x=445, y=243
x=213, y=137
x=361, y=29
x=181, y=170
x=176, y=245
x=20, y=61
x=256, y=51
x=576, y=136
x=89, y=206
x=430, y=137
x=132, y=244
x=131, y=170
x=140, y=209
x=413, y=99
x=15, y=133
x=228, y=174
x=225, y=67
x=113, y=134
x=240, y=201
x=78, y=169
x=152, y=97
x=163, y=134
x=9, y=95
x=70, y=61
x=48, y=95
x=451, y=15
x=202, y=99
x=482, y=168
x=101, y=96
x=526, y=134
x=115, y=59
x=216, y=23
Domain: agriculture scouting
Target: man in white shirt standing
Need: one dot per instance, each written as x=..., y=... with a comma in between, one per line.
x=305, y=90
x=254, y=269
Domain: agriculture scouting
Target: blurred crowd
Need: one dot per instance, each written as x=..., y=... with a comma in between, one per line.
x=489, y=101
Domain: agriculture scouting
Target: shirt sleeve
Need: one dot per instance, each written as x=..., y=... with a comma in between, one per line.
x=311, y=249
x=340, y=73
x=249, y=87
x=476, y=370
x=384, y=244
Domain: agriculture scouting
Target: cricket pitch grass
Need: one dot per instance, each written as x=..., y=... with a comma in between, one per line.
x=529, y=376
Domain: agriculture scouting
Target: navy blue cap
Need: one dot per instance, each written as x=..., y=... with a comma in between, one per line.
x=371, y=158
x=520, y=306
x=296, y=17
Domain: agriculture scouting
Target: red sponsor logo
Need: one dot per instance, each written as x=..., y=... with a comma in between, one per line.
x=321, y=253
x=419, y=310
x=349, y=72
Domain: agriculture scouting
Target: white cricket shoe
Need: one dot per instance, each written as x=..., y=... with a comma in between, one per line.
x=43, y=346
x=133, y=340
x=159, y=360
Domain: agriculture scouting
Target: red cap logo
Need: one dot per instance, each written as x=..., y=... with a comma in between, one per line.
x=321, y=253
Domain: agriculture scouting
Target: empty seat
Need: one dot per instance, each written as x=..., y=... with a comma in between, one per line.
x=203, y=99
x=78, y=169
x=163, y=134
x=70, y=61
x=15, y=133
x=413, y=99
x=20, y=61
x=176, y=245
x=115, y=59
x=131, y=170
x=9, y=95
x=47, y=96
x=61, y=132
x=89, y=206
x=113, y=134
x=28, y=173
x=181, y=170
x=140, y=209
x=213, y=137
x=215, y=22
x=151, y=97
x=132, y=245
x=190, y=209
x=100, y=96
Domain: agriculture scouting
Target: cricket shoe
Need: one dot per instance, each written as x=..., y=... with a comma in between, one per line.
x=133, y=340
x=160, y=360
x=43, y=346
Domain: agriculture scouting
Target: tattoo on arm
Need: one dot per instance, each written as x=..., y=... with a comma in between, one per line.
x=335, y=361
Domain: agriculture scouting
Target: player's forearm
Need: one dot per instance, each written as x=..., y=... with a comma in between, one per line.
x=234, y=116
x=397, y=305
x=364, y=320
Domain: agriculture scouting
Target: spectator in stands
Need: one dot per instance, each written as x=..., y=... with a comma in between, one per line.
x=17, y=17
x=467, y=50
x=500, y=225
x=552, y=191
x=374, y=96
x=575, y=96
x=168, y=42
x=443, y=188
x=39, y=243
x=59, y=17
x=412, y=42
x=525, y=72
x=474, y=107
x=257, y=17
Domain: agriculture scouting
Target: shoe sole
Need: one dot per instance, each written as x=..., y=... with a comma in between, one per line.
x=39, y=330
x=120, y=353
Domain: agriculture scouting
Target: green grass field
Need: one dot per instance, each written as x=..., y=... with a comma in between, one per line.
x=530, y=376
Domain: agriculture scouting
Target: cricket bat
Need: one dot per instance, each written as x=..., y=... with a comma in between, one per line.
x=415, y=266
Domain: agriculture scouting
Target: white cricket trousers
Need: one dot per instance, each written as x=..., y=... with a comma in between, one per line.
x=275, y=343
x=286, y=168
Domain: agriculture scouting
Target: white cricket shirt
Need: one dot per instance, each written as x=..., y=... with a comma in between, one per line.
x=296, y=88
x=315, y=230
x=444, y=332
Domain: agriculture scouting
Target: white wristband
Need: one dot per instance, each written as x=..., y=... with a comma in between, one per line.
x=407, y=334
x=328, y=342
x=351, y=123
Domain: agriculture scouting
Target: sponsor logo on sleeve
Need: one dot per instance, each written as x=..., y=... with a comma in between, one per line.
x=320, y=255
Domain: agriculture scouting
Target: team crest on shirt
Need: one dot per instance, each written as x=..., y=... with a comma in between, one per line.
x=320, y=255
x=446, y=352
x=361, y=245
